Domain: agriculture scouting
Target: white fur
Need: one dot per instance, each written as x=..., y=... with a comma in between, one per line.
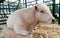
x=22, y=32
x=26, y=18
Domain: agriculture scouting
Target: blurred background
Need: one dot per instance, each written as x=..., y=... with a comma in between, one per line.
x=9, y=6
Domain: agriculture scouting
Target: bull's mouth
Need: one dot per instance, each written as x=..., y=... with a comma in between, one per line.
x=45, y=22
x=52, y=21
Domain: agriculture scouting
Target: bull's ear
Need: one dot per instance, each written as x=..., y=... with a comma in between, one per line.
x=36, y=8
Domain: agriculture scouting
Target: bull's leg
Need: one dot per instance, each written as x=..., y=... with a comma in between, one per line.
x=20, y=30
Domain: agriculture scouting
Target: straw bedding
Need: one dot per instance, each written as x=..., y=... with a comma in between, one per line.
x=41, y=31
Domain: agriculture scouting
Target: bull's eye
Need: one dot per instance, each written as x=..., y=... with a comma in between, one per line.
x=42, y=11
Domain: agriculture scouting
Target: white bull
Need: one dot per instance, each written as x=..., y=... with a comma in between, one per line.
x=24, y=20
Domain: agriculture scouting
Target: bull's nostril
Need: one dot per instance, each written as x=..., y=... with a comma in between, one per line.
x=53, y=21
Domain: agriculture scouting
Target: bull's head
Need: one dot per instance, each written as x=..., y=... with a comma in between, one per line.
x=43, y=14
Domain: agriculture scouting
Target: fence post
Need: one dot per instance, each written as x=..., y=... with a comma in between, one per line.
x=8, y=6
x=59, y=14
x=36, y=1
x=26, y=3
x=53, y=7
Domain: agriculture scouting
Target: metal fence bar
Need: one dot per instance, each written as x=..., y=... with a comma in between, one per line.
x=26, y=3
x=59, y=14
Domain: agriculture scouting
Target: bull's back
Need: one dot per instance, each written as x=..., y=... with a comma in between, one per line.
x=15, y=17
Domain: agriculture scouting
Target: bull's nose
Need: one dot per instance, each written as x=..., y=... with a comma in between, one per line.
x=53, y=20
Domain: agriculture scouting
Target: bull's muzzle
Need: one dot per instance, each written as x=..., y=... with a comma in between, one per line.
x=53, y=21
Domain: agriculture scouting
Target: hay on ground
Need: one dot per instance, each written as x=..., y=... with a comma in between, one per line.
x=41, y=31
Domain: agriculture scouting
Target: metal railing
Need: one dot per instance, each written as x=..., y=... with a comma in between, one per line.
x=5, y=10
